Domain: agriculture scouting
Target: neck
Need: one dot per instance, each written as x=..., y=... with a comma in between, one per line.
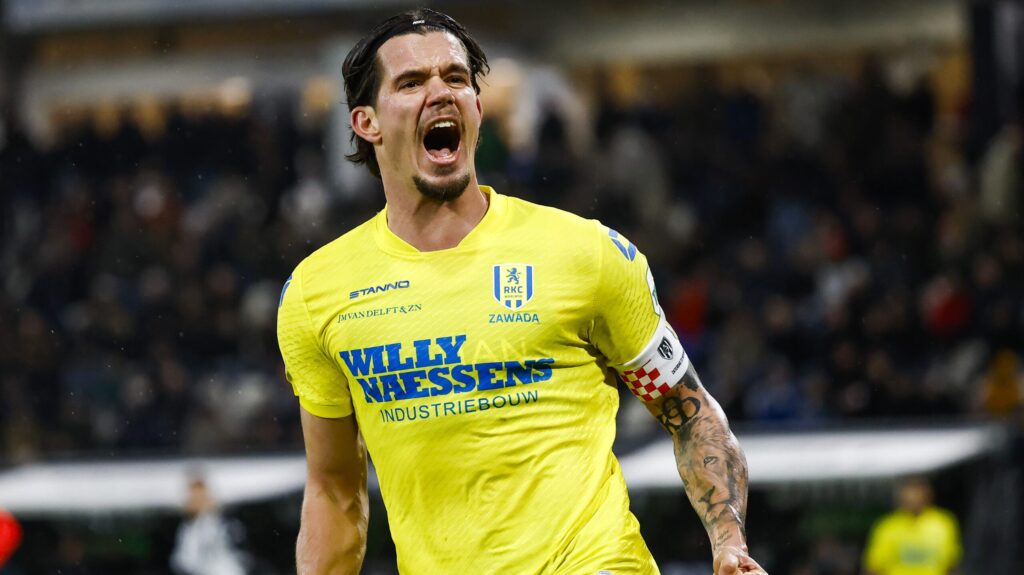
x=429, y=225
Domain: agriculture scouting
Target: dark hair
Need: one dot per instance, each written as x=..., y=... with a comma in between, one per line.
x=361, y=70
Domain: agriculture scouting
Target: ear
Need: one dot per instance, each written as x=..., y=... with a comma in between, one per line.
x=364, y=123
x=479, y=108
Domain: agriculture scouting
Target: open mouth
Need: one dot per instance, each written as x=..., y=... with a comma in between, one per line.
x=442, y=140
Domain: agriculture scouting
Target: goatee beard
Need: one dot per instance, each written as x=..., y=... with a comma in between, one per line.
x=443, y=192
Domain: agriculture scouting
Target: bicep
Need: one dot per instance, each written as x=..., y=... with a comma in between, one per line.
x=877, y=551
x=334, y=450
x=335, y=507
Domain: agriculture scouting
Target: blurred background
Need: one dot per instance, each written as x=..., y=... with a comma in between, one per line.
x=829, y=194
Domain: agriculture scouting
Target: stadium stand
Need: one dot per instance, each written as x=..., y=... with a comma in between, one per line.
x=818, y=271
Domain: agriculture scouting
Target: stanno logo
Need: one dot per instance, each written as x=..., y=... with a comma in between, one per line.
x=377, y=289
x=513, y=284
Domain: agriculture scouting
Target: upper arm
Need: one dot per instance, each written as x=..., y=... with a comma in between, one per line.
x=335, y=507
x=315, y=377
x=334, y=452
x=877, y=550
x=954, y=549
x=630, y=328
x=626, y=309
x=632, y=332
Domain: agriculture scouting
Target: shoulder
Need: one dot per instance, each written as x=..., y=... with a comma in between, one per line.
x=519, y=207
x=341, y=253
x=943, y=516
x=556, y=226
x=887, y=522
x=566, y=241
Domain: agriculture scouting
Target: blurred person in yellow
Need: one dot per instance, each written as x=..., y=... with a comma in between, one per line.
x=470, y=341
x=917, y=538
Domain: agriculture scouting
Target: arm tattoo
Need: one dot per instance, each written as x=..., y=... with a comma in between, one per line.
x=676, y=413
x=710, y=461
x=690, y=379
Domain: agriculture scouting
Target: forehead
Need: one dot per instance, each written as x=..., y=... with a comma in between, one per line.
x=411, y=51
x=913, y=487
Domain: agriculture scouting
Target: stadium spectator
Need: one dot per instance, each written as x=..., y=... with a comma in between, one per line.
x=205, y=543
x=915, y=539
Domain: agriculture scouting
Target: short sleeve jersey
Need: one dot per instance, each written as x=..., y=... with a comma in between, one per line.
x=481, y=380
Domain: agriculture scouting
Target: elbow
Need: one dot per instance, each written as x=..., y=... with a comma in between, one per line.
x=343, y=498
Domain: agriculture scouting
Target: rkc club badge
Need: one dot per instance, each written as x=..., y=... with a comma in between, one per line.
x=513, y=284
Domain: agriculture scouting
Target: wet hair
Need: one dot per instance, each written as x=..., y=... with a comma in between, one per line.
x=362, y=71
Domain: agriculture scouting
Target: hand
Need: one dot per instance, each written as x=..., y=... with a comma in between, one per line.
x=731, y=560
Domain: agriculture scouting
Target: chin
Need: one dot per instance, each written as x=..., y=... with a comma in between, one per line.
x=445, y=188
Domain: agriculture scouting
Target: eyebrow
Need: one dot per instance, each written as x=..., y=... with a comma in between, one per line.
x=423, y=72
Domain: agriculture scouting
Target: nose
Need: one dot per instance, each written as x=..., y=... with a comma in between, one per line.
x=439, y=94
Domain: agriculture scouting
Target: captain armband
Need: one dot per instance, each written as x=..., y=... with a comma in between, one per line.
x=659, y=366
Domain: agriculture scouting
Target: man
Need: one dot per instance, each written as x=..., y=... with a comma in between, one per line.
x=205, y=543
x=916, y=539
x=471, y=341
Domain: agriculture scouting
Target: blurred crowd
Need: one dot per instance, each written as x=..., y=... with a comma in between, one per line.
x=141, y=283
x=828, y=251
x=834, y=251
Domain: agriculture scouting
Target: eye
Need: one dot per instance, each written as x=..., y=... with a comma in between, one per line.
x=457, y=79
x=408, y=84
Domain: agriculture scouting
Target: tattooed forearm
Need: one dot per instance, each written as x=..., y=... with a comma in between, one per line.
x=690, y=379
x=710, y=461
x=677, y=412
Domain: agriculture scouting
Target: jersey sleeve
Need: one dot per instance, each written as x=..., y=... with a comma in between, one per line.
x=629, y=327
x=317, y=381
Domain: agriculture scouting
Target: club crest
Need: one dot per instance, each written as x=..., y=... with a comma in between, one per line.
x=513, y=284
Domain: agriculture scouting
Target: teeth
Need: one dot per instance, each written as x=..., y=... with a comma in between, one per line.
x=443, y=124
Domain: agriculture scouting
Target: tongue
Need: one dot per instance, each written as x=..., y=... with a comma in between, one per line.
x=442, y=153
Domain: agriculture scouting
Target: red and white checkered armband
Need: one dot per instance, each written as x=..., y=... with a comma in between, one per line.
x=659, y=366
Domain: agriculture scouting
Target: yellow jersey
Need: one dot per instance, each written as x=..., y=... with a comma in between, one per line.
x=902, y=544
x=480, y=380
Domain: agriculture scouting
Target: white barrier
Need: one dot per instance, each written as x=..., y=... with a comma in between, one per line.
x=776, y=458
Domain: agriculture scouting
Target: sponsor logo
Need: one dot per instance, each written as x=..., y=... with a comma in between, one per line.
x=287, y=283
x=457, y=407
x=628, y=249
x=434, y=367
x=400, y=284
x=665, y=348
x=380, y=311
x=513, y=284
